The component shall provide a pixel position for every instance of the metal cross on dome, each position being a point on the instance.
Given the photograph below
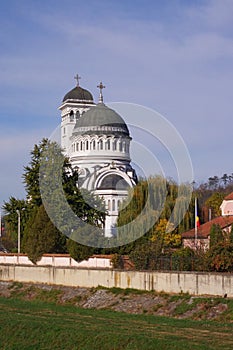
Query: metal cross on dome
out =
(77, 77)
(101, 87)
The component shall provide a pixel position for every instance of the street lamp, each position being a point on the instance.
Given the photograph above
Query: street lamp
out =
(19, 219)
(18, 212)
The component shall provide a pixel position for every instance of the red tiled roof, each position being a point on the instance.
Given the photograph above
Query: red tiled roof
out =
(229, 197)
(204, 230)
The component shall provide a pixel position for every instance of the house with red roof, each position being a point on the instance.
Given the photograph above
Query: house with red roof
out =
(201, 238)
(227, 205)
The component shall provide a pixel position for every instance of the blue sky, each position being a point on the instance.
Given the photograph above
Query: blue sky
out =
(175, 57)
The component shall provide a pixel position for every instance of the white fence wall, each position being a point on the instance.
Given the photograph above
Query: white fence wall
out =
(195, 283)
(57, 260)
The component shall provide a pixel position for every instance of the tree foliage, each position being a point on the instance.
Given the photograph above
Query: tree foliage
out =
(31, 173)
(214, 202)
(50, 175)
(220, 257)
(41, 236)
(216, 235)
(155, 209)
(78, 251)
(146, 256)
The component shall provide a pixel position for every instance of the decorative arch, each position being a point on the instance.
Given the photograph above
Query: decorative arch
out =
(113, 181)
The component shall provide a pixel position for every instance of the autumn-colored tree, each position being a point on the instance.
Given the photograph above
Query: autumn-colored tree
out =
(220, 257)
(167, 233)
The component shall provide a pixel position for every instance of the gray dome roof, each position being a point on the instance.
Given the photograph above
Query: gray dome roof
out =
(78, 93)
(101, 119)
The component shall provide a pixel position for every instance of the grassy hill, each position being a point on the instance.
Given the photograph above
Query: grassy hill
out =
(55, 317)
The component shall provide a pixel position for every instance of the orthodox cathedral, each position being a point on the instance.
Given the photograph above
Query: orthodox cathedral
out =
(97, 141)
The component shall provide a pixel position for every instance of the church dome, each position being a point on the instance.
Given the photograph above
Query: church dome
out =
(78, 93)
(101, 119)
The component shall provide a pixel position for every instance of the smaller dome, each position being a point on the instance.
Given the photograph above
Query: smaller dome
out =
(78, 93)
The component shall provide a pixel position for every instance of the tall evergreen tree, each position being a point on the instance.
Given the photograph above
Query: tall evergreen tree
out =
(216, 235)
(63, 201)
(31, 173)
(41, 236)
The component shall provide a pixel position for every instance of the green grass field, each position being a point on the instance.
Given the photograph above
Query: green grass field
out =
(41, 325)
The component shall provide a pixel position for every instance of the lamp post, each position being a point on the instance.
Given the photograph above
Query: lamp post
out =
(18, 212)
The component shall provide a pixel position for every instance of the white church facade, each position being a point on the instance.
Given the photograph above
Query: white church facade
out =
(97, 141)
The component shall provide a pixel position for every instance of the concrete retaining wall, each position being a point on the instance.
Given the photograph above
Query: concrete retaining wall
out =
(170, 282)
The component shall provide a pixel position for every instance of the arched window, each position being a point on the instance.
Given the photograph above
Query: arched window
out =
(109, 204)
(120, 146)
(81, 146)
(87, 145)
(101, 144)
(108, 144)
(114, 145)
(77, 146)
(77, 115)
(71, 116)
(113, 205)
(118, 204)
(93, 145)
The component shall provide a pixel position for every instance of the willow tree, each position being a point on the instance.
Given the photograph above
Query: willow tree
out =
(158, 210)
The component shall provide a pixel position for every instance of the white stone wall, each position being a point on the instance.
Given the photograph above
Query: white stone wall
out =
(57, 260)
